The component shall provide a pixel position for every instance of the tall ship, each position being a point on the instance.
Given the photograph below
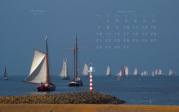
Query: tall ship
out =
(108, 72)
(64, 71)
(136, 72)
(39, 73)
(76, 81)
(85, 70)
(171, 72)
(5, 73)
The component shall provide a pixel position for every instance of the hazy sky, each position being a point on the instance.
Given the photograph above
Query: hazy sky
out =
(24, 24)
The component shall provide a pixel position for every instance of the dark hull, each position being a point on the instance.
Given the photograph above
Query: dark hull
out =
(75, 83)
(48, 88)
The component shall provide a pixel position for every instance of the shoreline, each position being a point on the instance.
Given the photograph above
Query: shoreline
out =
(86, 108)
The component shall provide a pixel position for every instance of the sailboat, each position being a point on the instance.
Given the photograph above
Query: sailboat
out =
(85, 70)
(160, 72)
(76, 81)
(156, 71)
(5, 73)
(108, 73)
(64, 71)
(39, 73)
(171, 72)
(136, 72)
(153, 73)
(127, 71)
(119, 74)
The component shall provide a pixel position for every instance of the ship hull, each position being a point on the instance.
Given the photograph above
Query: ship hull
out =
(46, 88)
(75, 83)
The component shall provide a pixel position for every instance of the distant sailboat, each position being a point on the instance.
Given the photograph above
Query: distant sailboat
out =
(156, 71)
(153, 73)
(145, 73)
(127, 71)
(5, 73)
(108, 73)
(142, 74)
(171, 72)
(39, 72)
(64, 71)
(76, 81)
(136, 72)
(160, 72)
(119, 74)
(85, 70)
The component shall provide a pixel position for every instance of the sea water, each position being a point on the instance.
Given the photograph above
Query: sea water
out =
(163, 90)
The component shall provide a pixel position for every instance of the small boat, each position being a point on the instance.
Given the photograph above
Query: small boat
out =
(171, 72)
(85, 70)
(5, 73)
(160, 72)
(153, 73)
(136, 72)
(156, 72)
(108, 73)
(127, 72)
(64, 71)
(76, 81)
(119, 74)
(39, 73)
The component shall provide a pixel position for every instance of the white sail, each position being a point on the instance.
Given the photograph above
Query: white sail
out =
(85, 70)
(156, 72)
(136, 72)
(171, 72)
(108, 71)
(153, 74)
(160, 72)
(64, 71)
(38, 72)
(145, 73)
(126, 71)
(142, 74)
(119, 74)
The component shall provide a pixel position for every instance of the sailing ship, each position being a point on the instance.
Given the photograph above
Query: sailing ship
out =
(76, 81)
(39, 73)
(160, 72)
(136, 72)
(119, 74)
(127, 72)
(108, 73)
(156, 71)
(171, 72)
(153, 73)
(85, 70)
(64, 71)
(5, 73)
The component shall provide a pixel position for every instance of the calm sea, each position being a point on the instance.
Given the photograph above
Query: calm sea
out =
(150, 91)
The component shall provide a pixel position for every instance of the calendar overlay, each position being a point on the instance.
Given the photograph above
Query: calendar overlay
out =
(125, 29)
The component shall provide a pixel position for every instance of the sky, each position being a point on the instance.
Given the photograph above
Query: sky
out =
(25, 23)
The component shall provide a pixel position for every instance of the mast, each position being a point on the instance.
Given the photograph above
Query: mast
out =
(76, 58)
(47, 65)
(5, 73)
(74, 61)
